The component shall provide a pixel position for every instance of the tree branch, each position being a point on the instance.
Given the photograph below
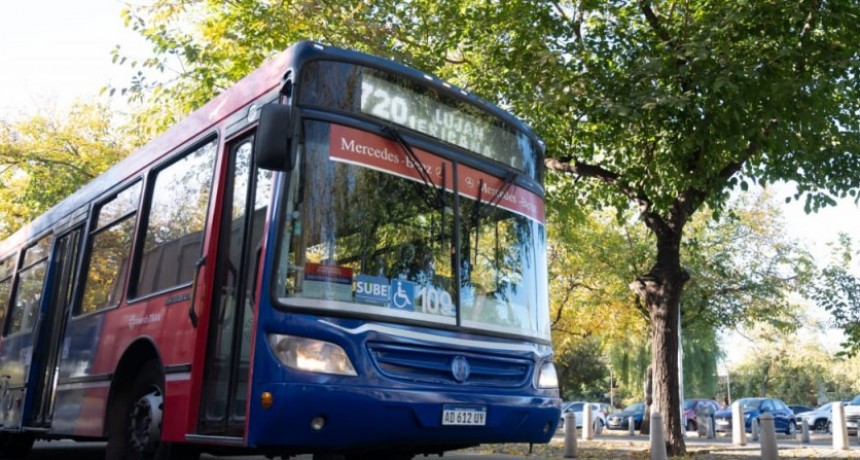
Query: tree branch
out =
(71, 166)
(575, 22)
(668, 40)
(653, 221)
(651, 17)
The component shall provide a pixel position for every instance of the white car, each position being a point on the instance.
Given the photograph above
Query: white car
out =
(818, 419)
(852, 415)
(597, 414)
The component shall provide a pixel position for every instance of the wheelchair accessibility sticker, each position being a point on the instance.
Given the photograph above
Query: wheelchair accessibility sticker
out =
(402, 295)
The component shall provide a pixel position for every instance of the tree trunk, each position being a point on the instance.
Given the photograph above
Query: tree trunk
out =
(765, 374)
(661, 291)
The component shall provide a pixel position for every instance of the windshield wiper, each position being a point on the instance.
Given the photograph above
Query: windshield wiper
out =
(493, 202)
(439, 201)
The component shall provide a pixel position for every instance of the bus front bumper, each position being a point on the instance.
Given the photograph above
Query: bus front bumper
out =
(313, 417)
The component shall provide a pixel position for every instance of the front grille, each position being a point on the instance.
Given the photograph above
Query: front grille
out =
(433, 365)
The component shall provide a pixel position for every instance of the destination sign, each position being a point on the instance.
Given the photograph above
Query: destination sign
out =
(420, 112)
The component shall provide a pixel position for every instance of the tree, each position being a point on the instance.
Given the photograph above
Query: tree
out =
(744, 270)
(795, 370)
(837, 289)
(667, 105)
(45, 158)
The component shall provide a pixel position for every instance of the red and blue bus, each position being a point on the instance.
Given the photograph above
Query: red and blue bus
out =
(338, 255)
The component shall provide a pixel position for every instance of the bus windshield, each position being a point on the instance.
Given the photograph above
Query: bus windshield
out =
(365, 235)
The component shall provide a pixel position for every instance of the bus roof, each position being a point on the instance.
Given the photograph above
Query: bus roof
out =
(263, 80)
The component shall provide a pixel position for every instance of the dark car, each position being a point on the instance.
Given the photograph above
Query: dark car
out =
(692, 407)
(753, 408)
(619, 420)
(800, 409)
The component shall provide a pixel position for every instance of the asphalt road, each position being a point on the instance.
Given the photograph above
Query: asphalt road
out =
(70, 450)
(617, 443)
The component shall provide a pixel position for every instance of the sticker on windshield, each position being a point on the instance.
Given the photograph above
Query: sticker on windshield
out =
(372, 289)
(402, 295)
(328, 282)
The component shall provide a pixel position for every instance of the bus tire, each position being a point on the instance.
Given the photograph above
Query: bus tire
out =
(137, 433)
(16, 445)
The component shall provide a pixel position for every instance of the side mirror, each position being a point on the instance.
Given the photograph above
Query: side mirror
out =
(274, 138)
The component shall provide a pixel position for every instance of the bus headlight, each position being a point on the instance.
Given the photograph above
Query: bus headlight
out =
(310, 355)
(547, 377)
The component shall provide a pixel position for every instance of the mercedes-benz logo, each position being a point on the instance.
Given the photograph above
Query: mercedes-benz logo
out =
(460, 369)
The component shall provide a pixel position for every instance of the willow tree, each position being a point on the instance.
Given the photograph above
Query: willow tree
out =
(668, 105)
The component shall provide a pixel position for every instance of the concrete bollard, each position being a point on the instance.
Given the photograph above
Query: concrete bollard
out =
(769, 451)
(804, 432)
(754, 429)
(711, 433)
(739, 432)
(569, 435)
(631, 426)
(840, 429)
(587, 420)
(658, 440)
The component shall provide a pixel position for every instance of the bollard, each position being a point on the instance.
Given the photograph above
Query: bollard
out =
(631, 426)
(658, 441)
(840, 430)
(769, 450)
(711, 433)
(754, 429)
(804, 431)
(587, 427)
(739, 432)
(569, 435)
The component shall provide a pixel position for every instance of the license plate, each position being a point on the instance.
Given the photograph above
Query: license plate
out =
(464, 415)
(722, 422)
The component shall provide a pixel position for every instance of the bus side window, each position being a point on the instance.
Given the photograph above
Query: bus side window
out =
(109, 251)
(175, 220)
(31, 278)
(7, 269)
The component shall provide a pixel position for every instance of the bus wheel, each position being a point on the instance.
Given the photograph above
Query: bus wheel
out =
(138, 436)
(15, 445)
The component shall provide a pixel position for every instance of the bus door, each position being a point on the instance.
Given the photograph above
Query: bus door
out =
(19, 353)
(64, 268)
(245, 200)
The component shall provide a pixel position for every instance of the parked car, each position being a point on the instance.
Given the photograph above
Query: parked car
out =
(605, 408)
(798, 409)
(752, 408)
(852, 415)
(578, 408)
(819, 419)
(619, 420)
(692, 407)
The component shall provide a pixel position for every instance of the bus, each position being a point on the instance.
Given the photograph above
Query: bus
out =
(338, 256)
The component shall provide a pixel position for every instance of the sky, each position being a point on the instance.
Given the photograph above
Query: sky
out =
(54, 52)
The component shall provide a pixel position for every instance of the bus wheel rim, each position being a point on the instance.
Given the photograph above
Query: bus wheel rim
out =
(145, 424)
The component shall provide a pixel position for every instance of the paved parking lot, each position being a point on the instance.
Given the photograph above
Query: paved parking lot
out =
(607, 445)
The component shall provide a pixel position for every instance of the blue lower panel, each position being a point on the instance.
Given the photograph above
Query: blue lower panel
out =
(373, 418)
